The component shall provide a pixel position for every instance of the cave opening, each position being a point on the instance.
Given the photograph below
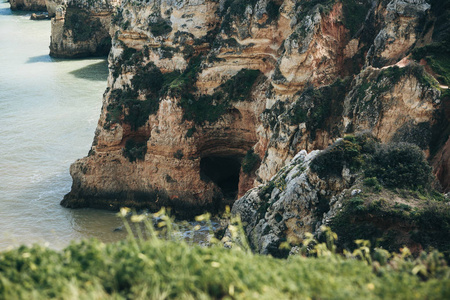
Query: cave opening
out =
(224, 172)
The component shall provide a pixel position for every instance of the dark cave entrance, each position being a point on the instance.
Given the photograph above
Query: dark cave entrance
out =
(224, 172)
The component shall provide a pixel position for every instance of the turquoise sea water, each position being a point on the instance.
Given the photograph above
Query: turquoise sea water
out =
(49, 110)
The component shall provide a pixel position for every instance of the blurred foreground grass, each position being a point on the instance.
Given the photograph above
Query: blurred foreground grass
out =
(161, 268)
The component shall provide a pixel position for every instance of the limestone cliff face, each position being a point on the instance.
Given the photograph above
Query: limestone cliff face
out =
(80, 28)
(207, 99)
(32, 5)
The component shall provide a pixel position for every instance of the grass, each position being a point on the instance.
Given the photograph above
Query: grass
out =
(157, 268)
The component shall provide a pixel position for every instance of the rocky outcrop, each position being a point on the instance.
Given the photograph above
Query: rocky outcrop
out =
(52, 6)
(31, 5)
(330, 188)
(80, 28)
(207, 99)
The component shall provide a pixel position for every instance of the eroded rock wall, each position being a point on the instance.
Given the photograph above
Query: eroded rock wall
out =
(198, 87)
(348, 186)
(80, 28)
(31, 5)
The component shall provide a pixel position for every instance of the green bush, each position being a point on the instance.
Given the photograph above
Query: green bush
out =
(124, 103)
(160, 27)
(148, 78)
(178, 154)
(135, 150)
(273, 11)
(382, 222)
(354, 14)
(400, 165)
(83, 27)
(344, 153)
(393, 165)
(373, 183)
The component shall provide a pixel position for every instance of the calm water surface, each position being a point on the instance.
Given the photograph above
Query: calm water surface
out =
(49, 110)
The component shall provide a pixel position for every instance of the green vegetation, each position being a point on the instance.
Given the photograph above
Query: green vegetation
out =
(393, 165)
(354, 14)
(236, 8)
(83, 27)
(135, 150)
(354, 11)
(316, 107)
(153, 84)
(169, 269)
(190, 132)
(388, 224)
(148, 78)
(373, 183)
(205, 108)
(273, 11)
(347, 152)
(125, 103)
(399, 165)
(437, 56)
(209, 108)
(178, 154)
(148, 81)
(239, 87)
(250, 161)
(160, 27)
(385, 81)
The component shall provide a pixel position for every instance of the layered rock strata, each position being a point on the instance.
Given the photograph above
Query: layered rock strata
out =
(80, 28)
(207, 99)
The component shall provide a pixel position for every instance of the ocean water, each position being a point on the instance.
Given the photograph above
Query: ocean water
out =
(48, 114)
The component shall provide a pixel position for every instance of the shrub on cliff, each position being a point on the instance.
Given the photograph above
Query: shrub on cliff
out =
(135, 150)
(82, 26)
(394, 165)
(388, 222)
(399, 165)
(348, 152)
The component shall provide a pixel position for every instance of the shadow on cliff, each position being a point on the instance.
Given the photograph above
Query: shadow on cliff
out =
(94, 72)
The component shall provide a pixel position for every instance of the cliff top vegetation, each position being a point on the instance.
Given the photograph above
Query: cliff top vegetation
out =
(168, 269)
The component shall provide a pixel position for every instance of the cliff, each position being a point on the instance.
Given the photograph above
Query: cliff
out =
(208, 99)
(80, 28)
(32, 5)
